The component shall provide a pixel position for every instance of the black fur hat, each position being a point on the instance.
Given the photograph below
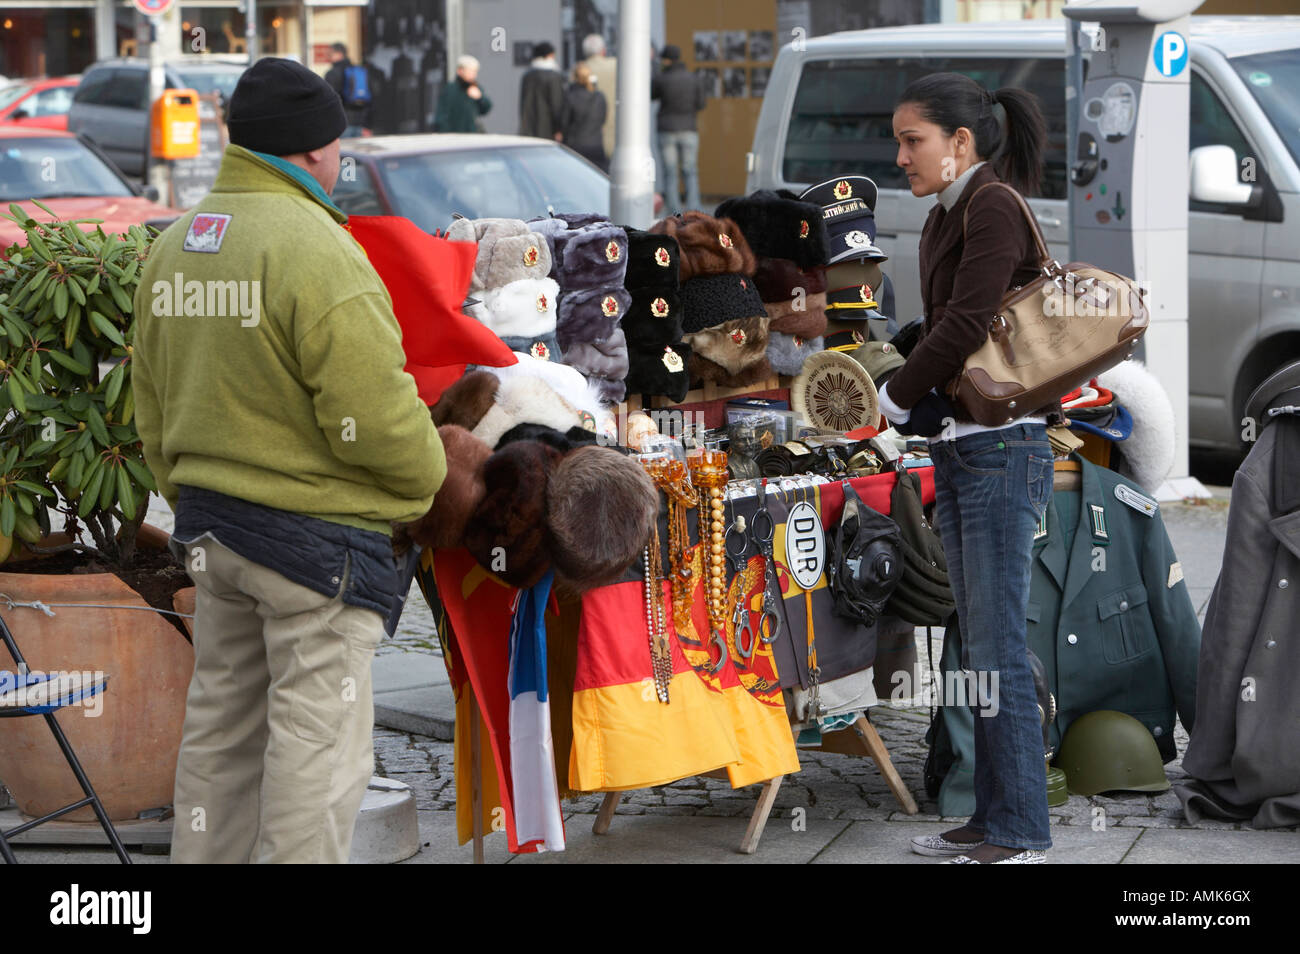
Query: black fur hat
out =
(712, 299)
(562, 441)
(653, 319)
(590, 314)
(665, 372)
(779, 228)
(652, 260)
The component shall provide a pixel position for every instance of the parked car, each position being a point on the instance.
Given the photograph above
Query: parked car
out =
(111, 105)
(829, 108)
(73, 179)
(38, 102)
(431, 178)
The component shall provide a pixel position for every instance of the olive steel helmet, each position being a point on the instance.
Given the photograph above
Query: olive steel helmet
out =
(1110, 751)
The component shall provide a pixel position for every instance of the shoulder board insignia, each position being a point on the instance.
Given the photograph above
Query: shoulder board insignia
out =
(1138, 501)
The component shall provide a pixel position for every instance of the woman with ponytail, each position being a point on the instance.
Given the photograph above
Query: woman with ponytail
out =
(992, 483)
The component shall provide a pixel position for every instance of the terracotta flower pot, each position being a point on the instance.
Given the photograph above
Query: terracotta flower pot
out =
(128, 750)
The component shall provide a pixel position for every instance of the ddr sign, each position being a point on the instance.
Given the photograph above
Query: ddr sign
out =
(805, 545)
(153, 8)
(1170, 53)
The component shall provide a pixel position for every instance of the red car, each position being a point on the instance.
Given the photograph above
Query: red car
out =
(70, 176)
(42, 103)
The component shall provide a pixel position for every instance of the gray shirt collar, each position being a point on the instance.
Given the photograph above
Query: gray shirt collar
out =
(952, 192)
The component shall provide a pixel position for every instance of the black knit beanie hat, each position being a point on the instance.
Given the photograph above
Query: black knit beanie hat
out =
(281, 108)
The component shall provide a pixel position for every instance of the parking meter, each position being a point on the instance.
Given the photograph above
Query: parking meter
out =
(1128, 170)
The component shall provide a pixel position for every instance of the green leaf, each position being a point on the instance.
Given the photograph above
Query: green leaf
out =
(38, 245)
(76, 471)
(97, 427)
(31, 488)
(121, 298)
(125, 494)
(141, 474)
(107, 328)
(10, 458)
(114, 381)
(16, 392)
(69, 362)
(90, 494)
(8, 513)
(25, 504)
(61, 299)
(37, 448)
(107, 489)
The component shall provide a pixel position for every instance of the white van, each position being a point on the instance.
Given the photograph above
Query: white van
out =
(828, 111)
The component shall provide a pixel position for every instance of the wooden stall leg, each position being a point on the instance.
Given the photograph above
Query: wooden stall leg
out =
(758, 820)
(606, 813)
(476, 777)
(876, 749)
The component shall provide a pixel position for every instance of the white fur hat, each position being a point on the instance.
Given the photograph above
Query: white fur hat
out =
(1148, 454)
(564, 380)
(525, 400)
(522, 309)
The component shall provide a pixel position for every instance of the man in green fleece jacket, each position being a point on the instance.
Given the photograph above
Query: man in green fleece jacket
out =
(281, 428)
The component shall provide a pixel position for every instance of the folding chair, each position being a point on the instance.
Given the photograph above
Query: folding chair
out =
(22, 694)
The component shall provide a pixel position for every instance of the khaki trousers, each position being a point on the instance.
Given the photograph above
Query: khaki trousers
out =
(276, 752)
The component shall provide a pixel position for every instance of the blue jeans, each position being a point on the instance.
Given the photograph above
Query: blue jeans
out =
(681, 151)
(991, 488)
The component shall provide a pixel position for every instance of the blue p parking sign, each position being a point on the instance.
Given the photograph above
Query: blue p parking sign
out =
(1170, 53)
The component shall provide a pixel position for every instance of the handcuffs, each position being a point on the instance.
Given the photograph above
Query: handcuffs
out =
(761, 531)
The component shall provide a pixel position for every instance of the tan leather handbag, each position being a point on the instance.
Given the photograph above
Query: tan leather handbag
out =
(1049, 337)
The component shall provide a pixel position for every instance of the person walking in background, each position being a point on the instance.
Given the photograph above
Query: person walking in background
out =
(582, 117)
(604, 70)
(681, 97)
(353, 83)
(462, 101)
(541, 95)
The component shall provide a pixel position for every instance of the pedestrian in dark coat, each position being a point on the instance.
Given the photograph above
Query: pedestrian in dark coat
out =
(541, 95)
(1244, 753)
(582, 118)
(462, 101)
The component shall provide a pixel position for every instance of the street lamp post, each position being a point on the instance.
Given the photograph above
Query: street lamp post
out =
(632, 169)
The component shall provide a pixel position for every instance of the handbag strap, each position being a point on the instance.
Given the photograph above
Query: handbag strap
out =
(1044, 256)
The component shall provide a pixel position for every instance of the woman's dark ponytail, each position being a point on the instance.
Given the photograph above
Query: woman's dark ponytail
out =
(952, 100)
(1021, 160)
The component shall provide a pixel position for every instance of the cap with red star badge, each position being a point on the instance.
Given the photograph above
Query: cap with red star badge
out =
(848, 210)
(780, 227)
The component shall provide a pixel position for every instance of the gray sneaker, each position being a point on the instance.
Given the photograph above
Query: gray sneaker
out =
(936, 845)
(1029, 856)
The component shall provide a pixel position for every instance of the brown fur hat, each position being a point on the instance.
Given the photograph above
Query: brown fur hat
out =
(443, 527)
(808, 323)
(702, 369)
(466, 401)
(734, 345)
(708, 246)
(777, 279)
(512, 513)
(600, 508)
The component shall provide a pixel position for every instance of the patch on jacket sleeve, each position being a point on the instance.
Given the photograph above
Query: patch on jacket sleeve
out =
(1175, 574)
(206, 233)
(1140, 502)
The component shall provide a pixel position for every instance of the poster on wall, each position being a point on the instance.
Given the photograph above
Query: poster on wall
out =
(711, 81)
(758, 78)
(734, 82)
(406, 51)
(733, 45)
(762, 44)
(706, 46)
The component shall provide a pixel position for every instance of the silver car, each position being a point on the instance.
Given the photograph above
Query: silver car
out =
(829, 109)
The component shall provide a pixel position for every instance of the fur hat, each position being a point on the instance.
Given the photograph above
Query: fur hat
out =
(654, 318)
(443, 527)
(591, 257)
(580, 220)
(466, 401)
(525, 308)
(778, 279)
(562, 441)
(525, 400)
(602, 359)
(665, 372)
(512, 513)
(808, 323)
(652, 260)
(702, 369)
(607, 390)
(708, 246)
(600, 509)
(787, 353)
(507, 251)
(779, 227)
(590, 314)
(735, 345)
(564, 380)
(542, 347)
(712, 299)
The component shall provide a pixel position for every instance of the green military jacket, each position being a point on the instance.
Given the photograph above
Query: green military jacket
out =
(1110, 617)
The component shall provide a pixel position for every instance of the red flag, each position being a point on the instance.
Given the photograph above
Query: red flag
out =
(427, 278)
